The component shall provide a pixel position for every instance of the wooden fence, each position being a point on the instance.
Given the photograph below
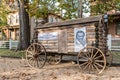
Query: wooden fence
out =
(11, 44)
(4, 44)
(113, 43)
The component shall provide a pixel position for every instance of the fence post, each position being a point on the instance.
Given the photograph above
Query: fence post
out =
(109, 42)
(10, 43)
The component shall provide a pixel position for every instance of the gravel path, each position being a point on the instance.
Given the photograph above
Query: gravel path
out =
(17, 69)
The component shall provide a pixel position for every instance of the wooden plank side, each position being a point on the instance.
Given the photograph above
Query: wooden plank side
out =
(71, 38)
(90, 35)
(65, 42)
(50, 45)
(62, 41)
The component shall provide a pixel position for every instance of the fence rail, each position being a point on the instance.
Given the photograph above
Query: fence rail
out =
(113, 43)
(4, 44)
(11, 44)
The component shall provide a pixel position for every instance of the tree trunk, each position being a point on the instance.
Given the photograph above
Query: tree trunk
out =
(24, 40)
(80, 8)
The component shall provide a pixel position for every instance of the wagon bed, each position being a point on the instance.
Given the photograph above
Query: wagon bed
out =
(64, 42)
(53, 40)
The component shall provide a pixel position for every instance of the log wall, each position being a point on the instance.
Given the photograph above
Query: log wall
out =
(65, 41)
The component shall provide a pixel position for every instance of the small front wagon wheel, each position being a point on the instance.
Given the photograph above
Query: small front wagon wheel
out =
(36, 55)
(91, 60)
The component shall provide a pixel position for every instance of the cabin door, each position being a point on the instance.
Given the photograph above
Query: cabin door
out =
(62, 41)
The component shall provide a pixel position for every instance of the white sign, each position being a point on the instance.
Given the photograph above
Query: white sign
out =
(48, 36)
(79, 38)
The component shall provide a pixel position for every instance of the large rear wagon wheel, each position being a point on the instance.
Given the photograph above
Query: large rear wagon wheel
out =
(36, 55)
(91, 60)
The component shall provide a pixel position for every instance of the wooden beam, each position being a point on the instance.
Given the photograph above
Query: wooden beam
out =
(70, 22)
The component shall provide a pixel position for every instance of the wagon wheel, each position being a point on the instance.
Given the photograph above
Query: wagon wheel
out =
(54, 59)
(36, 55)
(91, 60)
(109, 58)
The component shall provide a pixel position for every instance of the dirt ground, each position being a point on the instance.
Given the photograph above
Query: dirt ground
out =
(17, 69)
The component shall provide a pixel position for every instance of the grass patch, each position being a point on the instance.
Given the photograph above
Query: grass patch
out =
(116, 56)
(12, 53)
(21, 54)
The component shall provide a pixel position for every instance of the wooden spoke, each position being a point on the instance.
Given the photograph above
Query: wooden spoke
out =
(34, 64)
(40, 61)
(88, 55)
(96, 67)
(34, 48)
(33, 56)
(99, 65)
(100, 61)
(29, 52)
(83, 64)
(92, 53)
(94, 60)
(84, 57)
(89, 68)
(98, 57)
(92, 68)
(31, 60)
(30, 49)
(82, 60)
(37, 63)
(95, 54)
(86, 67)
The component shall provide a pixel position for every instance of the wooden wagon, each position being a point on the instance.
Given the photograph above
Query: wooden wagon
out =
(85, 38)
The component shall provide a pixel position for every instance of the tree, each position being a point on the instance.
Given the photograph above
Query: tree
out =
(9, 6)
(3, 13)
(103, 6)
(24, 41)
(80, 8)
(67, 9)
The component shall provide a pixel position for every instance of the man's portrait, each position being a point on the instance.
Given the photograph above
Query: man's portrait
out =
(79, 38)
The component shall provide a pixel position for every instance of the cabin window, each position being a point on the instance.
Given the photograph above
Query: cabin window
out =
(118, 28)
(50, 19)
(53, 19)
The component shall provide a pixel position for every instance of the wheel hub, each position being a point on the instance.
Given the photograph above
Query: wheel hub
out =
(35, 55)
(90, 61)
